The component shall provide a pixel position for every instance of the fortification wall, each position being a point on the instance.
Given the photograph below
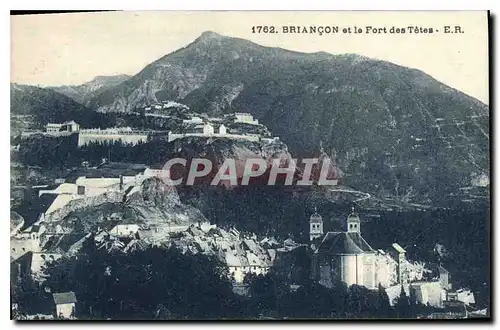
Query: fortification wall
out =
(27, 134)
(20, 246)
(173, 136)
(86, 138)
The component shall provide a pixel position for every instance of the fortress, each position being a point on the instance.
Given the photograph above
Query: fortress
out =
(209, 131)
(194, 126)
(52, 129)
(124, 134)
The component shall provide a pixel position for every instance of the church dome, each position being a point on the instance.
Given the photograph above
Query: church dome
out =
(353, 217)
(315, 217)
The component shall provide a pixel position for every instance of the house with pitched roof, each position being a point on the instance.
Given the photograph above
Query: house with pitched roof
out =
(65, 304)
(238, 265)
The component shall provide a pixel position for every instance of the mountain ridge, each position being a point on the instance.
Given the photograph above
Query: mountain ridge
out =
(211, 40)
(397, 132)
(82, 93)
(31, 107)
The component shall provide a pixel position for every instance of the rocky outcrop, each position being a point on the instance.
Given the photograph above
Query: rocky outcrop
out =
(151, 203)
(84, 203)
(153, 192)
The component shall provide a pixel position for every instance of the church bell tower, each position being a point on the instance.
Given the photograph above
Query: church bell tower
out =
(353, 222)
(315, 225)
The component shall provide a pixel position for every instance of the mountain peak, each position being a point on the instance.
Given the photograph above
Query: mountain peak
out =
(210, 35)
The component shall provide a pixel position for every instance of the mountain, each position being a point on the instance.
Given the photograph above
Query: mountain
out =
(395, 132)
(84, 92)
(32, 107)
(33, 100)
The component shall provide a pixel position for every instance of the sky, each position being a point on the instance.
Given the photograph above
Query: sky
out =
(70, 49)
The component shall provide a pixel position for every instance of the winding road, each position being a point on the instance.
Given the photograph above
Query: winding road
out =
(365, 195)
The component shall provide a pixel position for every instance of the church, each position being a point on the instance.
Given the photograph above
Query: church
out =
(345, 256)
(342, 256)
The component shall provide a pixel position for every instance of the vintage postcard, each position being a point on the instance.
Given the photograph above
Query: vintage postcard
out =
(231, 165)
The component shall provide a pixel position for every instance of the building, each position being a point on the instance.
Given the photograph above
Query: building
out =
(243, 117)
(23, 244)
(465, 296)
(71, 126)
(428, 293)
(66, 127)
(237, 264)
(192, 120)
(315, 226)
(346, 257)
(158, 171)
(444, 278)
(386, 269)
(208, 129)
(19, 247)
(65, 304)
(399, 255)
(124, 229)
(257, 265)
(106, 177)
(91, 182)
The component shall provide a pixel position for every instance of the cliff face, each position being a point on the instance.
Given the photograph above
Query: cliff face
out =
(83, 203)
(221, 149)
(150, 203)
(396, 131)
(155, 193)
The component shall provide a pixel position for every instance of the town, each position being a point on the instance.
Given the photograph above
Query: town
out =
(336, 256)
(47, 233)
(165, 167)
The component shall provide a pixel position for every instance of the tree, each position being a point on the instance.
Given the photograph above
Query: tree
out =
(402, 305)
(29, 298)
(384, 309)
(149, 284)
(264, 291)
